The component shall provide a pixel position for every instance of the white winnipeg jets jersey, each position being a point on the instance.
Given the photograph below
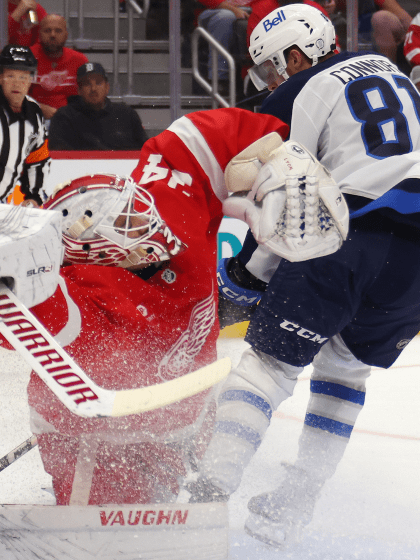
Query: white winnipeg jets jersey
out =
(356, 113)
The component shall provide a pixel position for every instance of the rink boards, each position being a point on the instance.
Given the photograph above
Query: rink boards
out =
(146, 531)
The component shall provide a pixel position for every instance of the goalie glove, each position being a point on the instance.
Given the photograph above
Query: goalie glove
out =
(31, 252)
(294, 207)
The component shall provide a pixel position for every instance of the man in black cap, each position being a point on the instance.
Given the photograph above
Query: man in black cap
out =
(24, 155)
(90, 121)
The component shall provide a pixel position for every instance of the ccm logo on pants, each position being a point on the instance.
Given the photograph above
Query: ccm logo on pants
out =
(304, 333)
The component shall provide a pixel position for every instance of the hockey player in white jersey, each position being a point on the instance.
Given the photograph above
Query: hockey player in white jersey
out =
(343, 312)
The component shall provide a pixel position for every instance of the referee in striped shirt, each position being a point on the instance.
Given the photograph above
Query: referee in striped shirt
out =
(24, 156)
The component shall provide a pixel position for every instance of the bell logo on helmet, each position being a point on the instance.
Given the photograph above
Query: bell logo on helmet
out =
(268, 24)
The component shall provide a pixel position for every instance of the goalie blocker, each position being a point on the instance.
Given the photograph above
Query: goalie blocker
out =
(31, 252)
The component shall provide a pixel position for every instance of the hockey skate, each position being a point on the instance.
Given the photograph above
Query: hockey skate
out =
(278, 517)
(204, 491)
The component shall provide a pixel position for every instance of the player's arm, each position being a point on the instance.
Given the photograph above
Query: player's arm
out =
(239, 291)
(184, 165)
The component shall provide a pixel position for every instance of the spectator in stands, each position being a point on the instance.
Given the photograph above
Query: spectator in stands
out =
(57, 66)
(24, 17)
(389, 27)
(90, 121)
(219, 19)
(412, 49)
(384, 23)
(412, 42)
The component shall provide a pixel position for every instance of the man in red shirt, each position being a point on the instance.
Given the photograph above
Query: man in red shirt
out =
(57, 66)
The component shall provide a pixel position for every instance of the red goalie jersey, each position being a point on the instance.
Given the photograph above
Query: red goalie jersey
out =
(127, 331)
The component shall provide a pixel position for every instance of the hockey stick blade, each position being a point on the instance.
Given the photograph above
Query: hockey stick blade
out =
(17, 452)
(73, 387)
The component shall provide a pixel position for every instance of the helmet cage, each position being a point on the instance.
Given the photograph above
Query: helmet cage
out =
(106, 218)
(296, 24)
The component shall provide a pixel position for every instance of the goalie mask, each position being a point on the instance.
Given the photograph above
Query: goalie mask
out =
(110, 220)
(296, 24)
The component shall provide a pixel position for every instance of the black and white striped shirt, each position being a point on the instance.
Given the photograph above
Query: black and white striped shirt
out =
(24, 154)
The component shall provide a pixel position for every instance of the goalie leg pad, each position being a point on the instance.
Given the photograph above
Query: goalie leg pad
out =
(175, 531)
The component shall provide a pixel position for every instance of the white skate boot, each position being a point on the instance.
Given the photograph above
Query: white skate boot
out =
(278, 517)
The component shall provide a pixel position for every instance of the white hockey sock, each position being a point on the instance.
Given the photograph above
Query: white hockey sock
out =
(338, 385)
(252, 391)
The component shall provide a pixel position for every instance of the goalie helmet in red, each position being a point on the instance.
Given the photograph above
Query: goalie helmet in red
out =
(111, 220)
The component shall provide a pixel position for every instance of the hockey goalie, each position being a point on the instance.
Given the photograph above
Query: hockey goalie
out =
(136, 305)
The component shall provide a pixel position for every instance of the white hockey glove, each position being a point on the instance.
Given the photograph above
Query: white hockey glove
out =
(31, 252)
(294, 206)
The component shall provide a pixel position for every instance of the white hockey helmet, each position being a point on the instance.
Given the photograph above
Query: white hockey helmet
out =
(296, 24)
(112, 221)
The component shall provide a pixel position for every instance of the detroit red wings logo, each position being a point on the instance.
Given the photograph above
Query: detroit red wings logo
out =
(178, 361)
(56, 78)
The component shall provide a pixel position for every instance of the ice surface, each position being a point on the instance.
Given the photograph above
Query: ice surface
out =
(369, 510)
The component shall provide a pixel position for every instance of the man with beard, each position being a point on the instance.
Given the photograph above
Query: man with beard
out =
(57, 66)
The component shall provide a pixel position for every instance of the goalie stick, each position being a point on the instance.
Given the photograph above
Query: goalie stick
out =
(17, 452)
(74, 387)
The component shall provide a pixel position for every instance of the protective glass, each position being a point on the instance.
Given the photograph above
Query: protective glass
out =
(265, 75)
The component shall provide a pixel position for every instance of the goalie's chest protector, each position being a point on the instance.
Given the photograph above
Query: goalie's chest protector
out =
(132, 332)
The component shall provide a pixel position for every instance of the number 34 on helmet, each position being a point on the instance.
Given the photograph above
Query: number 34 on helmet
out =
(110, 220)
